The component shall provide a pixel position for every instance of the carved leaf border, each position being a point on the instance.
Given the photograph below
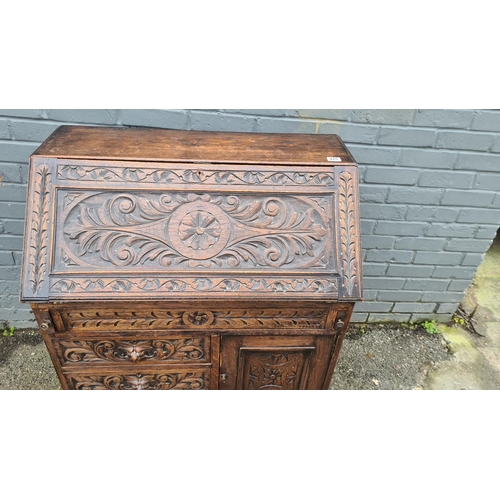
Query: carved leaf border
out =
(38, 248)
(234, 318)
(348, 235)
(115, 319)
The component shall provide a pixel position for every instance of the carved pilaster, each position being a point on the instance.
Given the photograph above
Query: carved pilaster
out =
(36, 267)
(350, 283)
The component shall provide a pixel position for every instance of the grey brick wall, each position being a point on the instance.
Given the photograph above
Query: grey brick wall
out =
(430, 192)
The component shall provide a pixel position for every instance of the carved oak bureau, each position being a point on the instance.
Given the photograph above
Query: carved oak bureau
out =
(162, 259)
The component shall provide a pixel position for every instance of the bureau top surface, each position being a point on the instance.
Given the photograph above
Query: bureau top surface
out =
(149, 144)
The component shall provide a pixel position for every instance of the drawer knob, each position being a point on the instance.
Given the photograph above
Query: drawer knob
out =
(45, 325)
(340, 324)
(223, 377)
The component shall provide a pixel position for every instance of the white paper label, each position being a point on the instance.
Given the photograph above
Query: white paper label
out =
(333, 158)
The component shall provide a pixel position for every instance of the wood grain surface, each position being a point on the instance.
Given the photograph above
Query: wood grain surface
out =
(134, 143)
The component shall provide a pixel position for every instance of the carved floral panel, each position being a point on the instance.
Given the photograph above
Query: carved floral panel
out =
(179, 231)
(273, 370)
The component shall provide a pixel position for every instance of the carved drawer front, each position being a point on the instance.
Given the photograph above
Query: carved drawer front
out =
(275, 363)
(198, 318)
(192, 378)
(136, 351)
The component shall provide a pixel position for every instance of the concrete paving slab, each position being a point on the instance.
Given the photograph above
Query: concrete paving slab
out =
(476, 361)
(469, 369)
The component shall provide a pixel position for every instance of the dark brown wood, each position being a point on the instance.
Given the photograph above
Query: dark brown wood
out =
(159, 259)
(45, 321)
(270, 363)
(181, 378)
(134, 232)
(148, 144)
(342, 319)
(216, 359)
(91, 318)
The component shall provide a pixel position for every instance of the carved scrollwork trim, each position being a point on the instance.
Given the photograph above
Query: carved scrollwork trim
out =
(101, 287)
(191, 176)
(136, 351)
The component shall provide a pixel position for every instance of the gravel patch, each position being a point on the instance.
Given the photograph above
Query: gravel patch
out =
(387, 356)
(25, 363)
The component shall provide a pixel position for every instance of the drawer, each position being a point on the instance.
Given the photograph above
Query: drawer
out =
(192, 378)
(166, 349)
(208, 317)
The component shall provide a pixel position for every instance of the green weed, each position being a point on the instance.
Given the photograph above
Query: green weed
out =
(429, 327)
(8, 332)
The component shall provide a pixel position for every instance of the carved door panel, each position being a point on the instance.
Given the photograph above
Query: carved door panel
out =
(274, 363)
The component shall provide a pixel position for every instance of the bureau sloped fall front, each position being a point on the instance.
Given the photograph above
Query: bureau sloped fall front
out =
(162, 259)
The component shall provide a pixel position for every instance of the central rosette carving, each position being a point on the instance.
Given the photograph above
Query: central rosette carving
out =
(198, 318)
(199, 230)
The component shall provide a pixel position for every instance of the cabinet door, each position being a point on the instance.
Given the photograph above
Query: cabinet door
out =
(275, 362)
